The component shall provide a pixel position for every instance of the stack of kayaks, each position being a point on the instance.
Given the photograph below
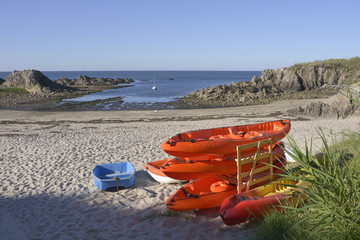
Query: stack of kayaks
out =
(195, 169)
(209, 192)
(208, 158)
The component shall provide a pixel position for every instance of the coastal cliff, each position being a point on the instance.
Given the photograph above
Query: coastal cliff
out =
(301, 81)
(310, 76)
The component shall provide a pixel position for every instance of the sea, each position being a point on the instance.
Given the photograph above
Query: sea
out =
(170, 85)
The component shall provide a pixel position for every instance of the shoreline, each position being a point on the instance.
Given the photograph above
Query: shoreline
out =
(278, 108)
(47, 157)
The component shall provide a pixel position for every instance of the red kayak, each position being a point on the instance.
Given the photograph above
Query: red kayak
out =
(177, 168)
(256, 202)
(222, 141)
(209, 192)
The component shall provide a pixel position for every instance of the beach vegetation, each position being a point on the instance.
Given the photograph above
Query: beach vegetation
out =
(13, 90)
(348, 63)
(348, 66)
(332, 206)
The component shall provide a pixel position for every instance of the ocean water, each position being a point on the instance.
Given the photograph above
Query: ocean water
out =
(170, 84)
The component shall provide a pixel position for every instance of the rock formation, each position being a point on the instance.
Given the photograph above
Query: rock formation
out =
(83, 81)
(33, 81)
(294, 79)
(312, 80)
(340, 106)
(1, 81)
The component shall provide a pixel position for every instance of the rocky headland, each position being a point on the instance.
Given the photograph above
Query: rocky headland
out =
(302, 81)
(30, 88)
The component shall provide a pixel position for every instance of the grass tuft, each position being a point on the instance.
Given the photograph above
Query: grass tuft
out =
(332, 206)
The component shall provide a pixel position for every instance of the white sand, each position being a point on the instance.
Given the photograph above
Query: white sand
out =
(47, 157)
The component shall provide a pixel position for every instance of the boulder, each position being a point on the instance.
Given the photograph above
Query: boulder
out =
(315, 110)
(1, 81)
(285, 79)
(334, 78)
(309, 77)
(340, 106)
(291, 82)
(255, 81)
(33, 81)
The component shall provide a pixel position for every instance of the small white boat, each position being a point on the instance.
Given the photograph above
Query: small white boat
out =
(154, 87)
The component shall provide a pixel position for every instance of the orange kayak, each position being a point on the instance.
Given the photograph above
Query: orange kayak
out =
(256, 202)
(209, 192)
(153, 168)
(223, 141)
(177, 168)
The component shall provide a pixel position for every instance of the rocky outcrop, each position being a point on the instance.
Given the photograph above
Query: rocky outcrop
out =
(258, 91)
(83, 81)
(33, 81)
(1, 81)
(46, 93)
(37, 83)
(340, 106)
(312, 80)
(302, 77)
(295, 79)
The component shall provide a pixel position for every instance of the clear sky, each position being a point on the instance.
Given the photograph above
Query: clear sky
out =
(175, 35)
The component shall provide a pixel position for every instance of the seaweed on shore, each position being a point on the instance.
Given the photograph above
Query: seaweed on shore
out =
(100, 104)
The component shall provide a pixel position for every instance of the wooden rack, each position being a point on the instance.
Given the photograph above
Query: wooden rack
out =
(253, 159)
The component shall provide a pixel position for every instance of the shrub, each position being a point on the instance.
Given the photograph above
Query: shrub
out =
(332, 206)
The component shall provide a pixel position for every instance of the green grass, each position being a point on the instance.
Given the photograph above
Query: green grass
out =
(332, 206)
(351, 63)
(277, 225)
(349, 67)
(13, 91)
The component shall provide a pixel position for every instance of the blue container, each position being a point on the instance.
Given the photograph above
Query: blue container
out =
(106, 175)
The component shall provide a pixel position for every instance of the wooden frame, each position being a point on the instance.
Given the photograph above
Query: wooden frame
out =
(254, 160)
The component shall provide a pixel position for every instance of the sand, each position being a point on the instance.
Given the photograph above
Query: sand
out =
(46, 159)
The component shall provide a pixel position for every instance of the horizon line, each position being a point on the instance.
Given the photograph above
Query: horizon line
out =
(135, 70)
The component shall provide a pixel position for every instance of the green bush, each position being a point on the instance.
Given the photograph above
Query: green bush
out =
(332, 206)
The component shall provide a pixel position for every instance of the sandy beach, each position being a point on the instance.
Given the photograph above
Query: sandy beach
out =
(46, 160)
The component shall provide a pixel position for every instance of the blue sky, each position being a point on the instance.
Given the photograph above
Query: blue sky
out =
(175, 35)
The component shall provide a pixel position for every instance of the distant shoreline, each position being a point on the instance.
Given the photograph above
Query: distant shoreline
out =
(54, 75)
(171, 85)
